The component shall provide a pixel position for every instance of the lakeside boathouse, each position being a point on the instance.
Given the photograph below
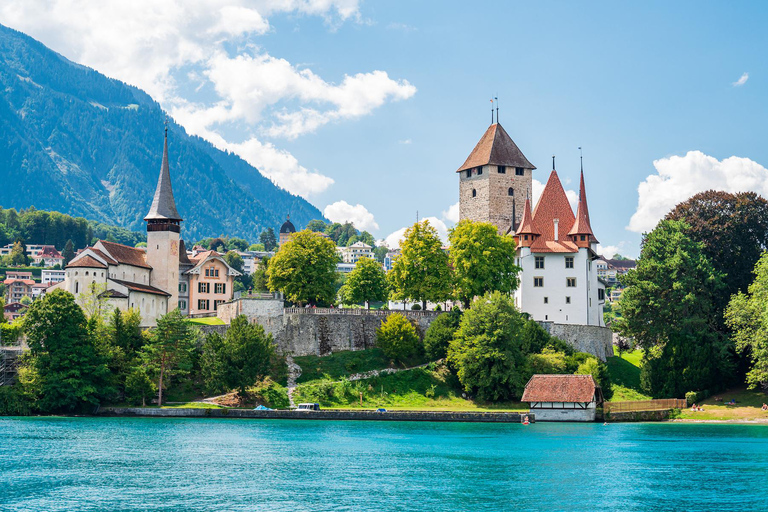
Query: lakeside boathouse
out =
(563, 397)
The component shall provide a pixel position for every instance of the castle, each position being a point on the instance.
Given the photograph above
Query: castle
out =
(156, 280)
(554, 247)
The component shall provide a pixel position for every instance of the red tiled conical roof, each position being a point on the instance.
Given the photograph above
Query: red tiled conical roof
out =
(526, 225)
(582, 225)
(496, 147)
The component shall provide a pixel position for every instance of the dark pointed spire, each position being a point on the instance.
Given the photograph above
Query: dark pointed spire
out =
(163, 205)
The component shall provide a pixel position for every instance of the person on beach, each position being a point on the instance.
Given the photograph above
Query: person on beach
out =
(765, 407)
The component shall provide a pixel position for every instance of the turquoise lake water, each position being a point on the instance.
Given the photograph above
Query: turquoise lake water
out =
(74, 464)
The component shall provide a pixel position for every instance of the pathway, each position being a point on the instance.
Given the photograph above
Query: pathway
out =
(294, 372)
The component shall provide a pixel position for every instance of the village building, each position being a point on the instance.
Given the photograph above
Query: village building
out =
(208, 282)
(286, 230)
(563, 397)
(13, 311)
(49, 275)
(17, 286)
(154, 280)
(554, 248)
(354, 252)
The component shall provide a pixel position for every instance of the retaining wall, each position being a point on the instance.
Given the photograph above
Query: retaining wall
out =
(638, 416)
(592, 339)
(477, 417)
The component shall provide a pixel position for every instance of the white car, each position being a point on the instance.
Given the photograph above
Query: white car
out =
(308, 407)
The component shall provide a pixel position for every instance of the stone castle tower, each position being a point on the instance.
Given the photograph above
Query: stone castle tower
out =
(495, 181)
(163, 234)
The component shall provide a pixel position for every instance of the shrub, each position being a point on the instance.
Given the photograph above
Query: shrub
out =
(416, 307)
(139, 387)
(549, 361)
(440, 334)
(397, 338)
(599, 371)
(693, 397)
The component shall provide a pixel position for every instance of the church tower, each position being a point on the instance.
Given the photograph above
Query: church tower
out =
(163, 234)
(494, 181)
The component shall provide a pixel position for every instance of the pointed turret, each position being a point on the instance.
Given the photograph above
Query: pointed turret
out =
(525, 233)
(582, 230)
(163, 205)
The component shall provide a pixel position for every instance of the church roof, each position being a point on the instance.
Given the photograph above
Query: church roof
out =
(553, 204)
(582, 225)
(287, 226)
(125, 254)
(163, 205)
(143, 288)
(496, 147)
(183, 256)
(86, 262)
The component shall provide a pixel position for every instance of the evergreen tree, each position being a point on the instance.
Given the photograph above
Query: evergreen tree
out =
(268, 239)
(421, 272)
(18, 256)
(69, 252)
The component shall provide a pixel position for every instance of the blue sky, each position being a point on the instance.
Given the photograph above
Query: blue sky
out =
(387, 99)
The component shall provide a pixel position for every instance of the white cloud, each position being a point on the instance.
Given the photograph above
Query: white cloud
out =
(741, 81)
(150, 44)
(452, 213)
(393, 239)
(342, 211)
(405, 141)
(680, 177)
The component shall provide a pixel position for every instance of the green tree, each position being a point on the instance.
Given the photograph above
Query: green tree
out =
(440, 333)
(482, 260)
(317, 225)
(397, 338)
(212, 364)
(421, 272)
(18, 256)
(380, 252)
(125, 330)
(234, 260)
(139, 387)
(94, 302)
(257, 247)
(599, 371)
(260, 276)
(26, 300)
(71, 374)
(141, 245)
(69, 252)
(367, 238)
(746, 316)
(168, 350)
(246, 353)
(366, 283)
(487, 349)
(669, 308)
(237, 244)
(304, 269)
(268, 239)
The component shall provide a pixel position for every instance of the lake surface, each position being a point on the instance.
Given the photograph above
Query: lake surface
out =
(74, 464)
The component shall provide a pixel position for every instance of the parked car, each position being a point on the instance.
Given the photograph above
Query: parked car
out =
(308, 407)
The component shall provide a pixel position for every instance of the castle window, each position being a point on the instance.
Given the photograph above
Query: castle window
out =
(474, 193)
(519, 171)
(525, 237)
(510, 191)
(600, 294)
(538, 282)
(86, 272)
(546, 300)
(569, 262)
(567, 300)
(503, 169)
(583, 237)
(539, 261)
(77, 287)
(479, 170)
(570, 282)
(469, 173)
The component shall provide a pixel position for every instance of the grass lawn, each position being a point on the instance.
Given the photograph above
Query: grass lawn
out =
(193, 405)
(211, 320)
(625, 377)
(340, 364)
(747, 408)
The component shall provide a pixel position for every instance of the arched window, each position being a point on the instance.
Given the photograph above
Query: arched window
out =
(511, 191)
(77, 287)
(474, 193)
(86, 272)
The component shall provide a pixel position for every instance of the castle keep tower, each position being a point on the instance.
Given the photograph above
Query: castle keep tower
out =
(163, 233)
(495, 181)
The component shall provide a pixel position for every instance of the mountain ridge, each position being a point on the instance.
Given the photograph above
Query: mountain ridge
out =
(75, 141)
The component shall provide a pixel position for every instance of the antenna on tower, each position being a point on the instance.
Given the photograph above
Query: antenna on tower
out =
(491, 111)
(497, 107)
(553, 162)
(581, 159)
(166, 124)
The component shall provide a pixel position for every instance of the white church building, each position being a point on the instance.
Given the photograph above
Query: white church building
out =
(555, 248)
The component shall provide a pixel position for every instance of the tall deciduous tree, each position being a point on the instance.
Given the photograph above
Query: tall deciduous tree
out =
(746, 316)
(669, 308)
(487, 349)
(421, 272)
(71, 374)
(304, 269)
(482, 260)
(317, 225)
(168, 349)
(366, 283)
(397, 338)
(268, 239)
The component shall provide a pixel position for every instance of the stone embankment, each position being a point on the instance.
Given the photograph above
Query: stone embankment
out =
(472, 417)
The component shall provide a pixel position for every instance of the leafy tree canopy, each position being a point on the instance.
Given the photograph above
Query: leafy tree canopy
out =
(482, 260)
(304, 269)
(397, 338)
(440, 333)
(366, 283)
(421, 272)
(268, 239)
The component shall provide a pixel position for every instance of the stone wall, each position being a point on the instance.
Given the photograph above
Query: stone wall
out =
(638, 416)
(302, 332)
(591, 339)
